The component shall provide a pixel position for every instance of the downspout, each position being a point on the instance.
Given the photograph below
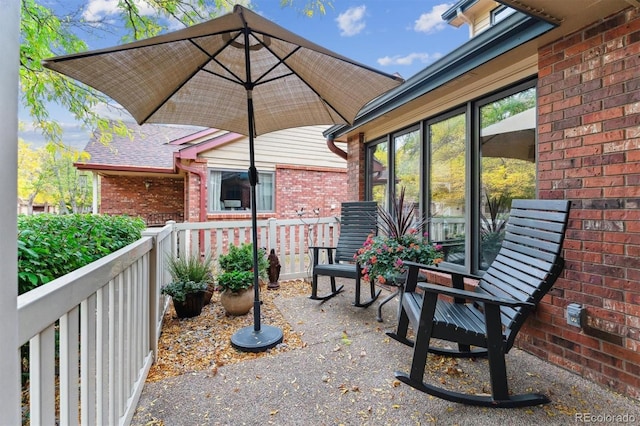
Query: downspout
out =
(466, 19)
(331, 143)
(203, 192)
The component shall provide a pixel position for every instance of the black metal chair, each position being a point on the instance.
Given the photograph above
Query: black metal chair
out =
(489, 318)
(358, 221)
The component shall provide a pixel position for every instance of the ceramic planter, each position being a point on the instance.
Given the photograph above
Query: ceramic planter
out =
(238, 303)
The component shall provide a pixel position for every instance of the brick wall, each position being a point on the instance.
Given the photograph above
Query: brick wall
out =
(589, 152)
(311, 188)
(129, 195)
(356, 155)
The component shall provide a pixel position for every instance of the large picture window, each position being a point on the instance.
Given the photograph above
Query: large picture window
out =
(463, 169)
(229, 190)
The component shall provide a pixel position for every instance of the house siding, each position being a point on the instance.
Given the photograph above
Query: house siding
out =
(589, 152)
(297, 146)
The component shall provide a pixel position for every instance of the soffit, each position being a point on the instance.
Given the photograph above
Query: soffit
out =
(570, 15)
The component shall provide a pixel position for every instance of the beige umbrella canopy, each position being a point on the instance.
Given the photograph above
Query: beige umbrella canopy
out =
(239, 72)
(513, 137)
(199, 76)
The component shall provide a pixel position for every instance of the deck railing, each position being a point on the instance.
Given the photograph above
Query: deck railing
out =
(93, 333)
(289, 238)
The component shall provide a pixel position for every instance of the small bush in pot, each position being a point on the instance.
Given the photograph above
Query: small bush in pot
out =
(237, 277)
(190, 277)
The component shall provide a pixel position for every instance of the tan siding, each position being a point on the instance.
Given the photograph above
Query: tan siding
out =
(303, 146)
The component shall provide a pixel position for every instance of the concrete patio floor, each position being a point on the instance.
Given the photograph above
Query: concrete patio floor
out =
(344, 376)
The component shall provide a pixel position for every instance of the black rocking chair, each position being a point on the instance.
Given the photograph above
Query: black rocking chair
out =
(358, 221)
(489, 318)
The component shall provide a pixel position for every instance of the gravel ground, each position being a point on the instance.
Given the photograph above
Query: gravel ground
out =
(342, 374)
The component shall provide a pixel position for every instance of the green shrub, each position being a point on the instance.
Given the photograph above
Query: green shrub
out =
(235, 281)
(50, 246)
(241, 259)
(237, 267)
(189, 274)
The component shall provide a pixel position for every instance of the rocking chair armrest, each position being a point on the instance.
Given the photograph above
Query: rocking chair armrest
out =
(457, 278)
(472, 295)
(443, 270)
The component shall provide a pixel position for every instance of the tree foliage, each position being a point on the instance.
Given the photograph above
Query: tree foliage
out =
(48, 29)
(47, 176)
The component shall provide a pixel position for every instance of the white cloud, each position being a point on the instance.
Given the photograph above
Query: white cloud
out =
(97, 10)
(351, 22)
(408, 59)
(432, 21)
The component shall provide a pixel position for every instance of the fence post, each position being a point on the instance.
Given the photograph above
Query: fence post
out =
(273, 234)
(9, 351)
(154, 275)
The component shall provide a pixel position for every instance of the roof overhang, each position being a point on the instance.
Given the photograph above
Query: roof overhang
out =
(515, 39)
(120, 170)
(507, 35)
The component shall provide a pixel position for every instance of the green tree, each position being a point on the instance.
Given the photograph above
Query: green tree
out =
(45, 34)
(33, 185)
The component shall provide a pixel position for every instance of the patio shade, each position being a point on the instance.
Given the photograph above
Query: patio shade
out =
(199, 76)
(241, 73)
(513, 137)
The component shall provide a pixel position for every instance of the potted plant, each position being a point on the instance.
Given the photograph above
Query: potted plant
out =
(382, 256)
(236, 278)
(190, 277)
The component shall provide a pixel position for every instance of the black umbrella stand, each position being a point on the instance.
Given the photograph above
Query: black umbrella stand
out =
(258, 338)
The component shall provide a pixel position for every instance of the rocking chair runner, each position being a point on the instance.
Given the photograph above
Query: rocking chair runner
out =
(490, 317)
(358, 221)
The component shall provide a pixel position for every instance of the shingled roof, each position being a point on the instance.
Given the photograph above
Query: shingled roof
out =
(148, 150)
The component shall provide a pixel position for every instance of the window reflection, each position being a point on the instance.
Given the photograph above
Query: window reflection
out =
(378, 167)
(507, 149)
(447, 186)
(407, 168)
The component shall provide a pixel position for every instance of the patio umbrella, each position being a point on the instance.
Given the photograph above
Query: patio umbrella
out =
(513, 137)
(238, 72)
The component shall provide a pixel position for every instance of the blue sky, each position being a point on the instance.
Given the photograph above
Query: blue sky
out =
(394, 36)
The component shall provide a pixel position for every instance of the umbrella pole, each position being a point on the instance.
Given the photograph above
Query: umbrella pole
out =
(257, 338)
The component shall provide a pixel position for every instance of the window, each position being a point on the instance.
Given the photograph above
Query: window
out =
(377, 166)
(463, 167)
(507, 164)
(406, 166)
(230, 190)
(447, 184)
(499, 13)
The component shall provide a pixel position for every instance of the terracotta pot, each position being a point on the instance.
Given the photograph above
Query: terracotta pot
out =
(191, 307)
(238, 303)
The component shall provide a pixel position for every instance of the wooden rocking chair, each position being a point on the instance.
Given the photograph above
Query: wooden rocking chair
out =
(358, 220)
(490, 317)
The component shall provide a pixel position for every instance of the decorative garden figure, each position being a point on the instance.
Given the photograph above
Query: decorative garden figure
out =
(274, 271)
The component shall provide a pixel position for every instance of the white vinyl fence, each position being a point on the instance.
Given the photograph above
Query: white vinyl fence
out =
(93, 333)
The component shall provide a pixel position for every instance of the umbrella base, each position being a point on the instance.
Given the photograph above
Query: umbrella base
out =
(247, 339)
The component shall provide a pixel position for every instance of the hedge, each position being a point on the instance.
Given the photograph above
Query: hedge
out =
(50, 246)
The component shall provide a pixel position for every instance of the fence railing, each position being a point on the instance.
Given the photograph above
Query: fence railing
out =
(93, 333)
(289, 238)
(91, 336)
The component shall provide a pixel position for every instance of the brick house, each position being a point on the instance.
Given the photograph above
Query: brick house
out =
(575, 65)
(180, 173)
